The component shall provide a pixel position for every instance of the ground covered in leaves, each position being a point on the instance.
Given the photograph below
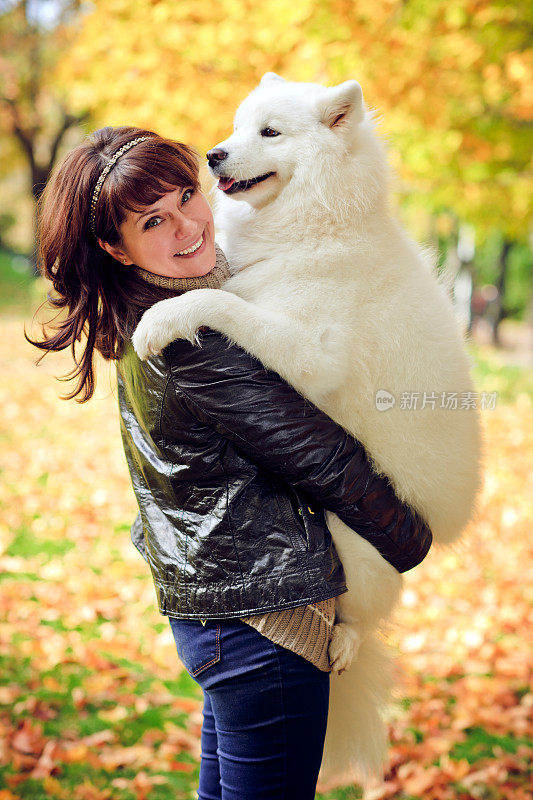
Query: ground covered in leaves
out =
(94, 704)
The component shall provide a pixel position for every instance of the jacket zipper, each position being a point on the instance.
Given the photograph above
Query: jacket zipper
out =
(301, 514)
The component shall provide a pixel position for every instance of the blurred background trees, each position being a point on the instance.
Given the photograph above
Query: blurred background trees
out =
(35, 108)
(451, 81)
(91, 706)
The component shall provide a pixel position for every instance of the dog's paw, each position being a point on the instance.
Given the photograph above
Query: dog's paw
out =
(152, 333)
(343, 647)
(174, 318)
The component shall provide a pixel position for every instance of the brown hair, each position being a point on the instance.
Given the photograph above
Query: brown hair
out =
(102, 298)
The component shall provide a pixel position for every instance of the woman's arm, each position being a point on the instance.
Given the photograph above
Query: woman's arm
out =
(224, 386)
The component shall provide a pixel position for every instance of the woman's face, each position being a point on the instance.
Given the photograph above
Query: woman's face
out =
(175, 236)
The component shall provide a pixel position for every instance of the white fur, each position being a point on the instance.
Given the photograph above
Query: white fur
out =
(328, 290)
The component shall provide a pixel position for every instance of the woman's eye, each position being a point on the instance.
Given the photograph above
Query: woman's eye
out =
(186, 196)
(153, 222)
(269, 132)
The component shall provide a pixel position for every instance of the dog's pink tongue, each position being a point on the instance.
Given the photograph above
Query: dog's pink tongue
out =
(225, 183)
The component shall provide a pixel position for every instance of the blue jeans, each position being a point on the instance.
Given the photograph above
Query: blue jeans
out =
(265, 712)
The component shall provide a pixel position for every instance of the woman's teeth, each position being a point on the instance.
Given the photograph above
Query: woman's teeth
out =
(192, 249)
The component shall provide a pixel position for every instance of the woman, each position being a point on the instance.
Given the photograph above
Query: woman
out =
(232, 469)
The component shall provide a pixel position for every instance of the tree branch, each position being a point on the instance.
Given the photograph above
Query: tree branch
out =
(69, 120)
(25, 138)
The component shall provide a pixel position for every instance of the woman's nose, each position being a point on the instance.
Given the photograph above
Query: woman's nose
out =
(184, 226)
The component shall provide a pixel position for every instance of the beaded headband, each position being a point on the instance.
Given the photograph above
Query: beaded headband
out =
(105, 172)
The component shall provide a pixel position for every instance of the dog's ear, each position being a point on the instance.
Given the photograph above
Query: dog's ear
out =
(341, 105)
(271, 77)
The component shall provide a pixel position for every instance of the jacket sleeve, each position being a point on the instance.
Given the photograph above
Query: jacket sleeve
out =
(266, 419)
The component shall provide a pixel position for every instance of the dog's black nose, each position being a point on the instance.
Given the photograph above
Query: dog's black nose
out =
(216, 155)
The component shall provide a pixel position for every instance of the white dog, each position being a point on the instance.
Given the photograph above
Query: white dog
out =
(329, 291)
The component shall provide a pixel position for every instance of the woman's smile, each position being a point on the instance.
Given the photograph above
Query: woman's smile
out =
(194, 249)
(174, 236)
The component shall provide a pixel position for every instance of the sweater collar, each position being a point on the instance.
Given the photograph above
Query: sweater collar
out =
(213, 280)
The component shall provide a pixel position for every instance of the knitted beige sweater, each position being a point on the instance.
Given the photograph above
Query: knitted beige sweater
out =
(305, 630)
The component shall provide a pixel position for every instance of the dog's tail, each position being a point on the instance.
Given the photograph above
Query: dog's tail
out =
(355, 749)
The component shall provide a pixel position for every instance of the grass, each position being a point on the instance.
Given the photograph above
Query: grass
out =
(480, 744)
(19, 290)
(492, 374)
(83, 649)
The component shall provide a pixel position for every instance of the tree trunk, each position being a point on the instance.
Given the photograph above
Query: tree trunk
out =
(39, 176)
(500, 313)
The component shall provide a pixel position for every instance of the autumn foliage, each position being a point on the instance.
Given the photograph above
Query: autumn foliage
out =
(452, 81)
(94, 704)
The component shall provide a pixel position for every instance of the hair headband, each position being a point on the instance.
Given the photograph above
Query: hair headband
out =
(105, 172)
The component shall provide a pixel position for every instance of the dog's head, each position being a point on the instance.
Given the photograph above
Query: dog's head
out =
(284, 130)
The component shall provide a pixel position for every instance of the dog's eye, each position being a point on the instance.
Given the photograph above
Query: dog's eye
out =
(269, 132)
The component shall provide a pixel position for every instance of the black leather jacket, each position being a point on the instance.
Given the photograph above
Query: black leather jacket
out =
(232, 470)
